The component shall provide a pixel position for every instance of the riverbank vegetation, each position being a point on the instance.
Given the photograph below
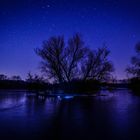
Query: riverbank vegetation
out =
(134, 71)
(72, 66)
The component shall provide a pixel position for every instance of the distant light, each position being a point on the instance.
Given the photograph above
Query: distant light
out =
(68, 97)
(64, 97)
(58, 97)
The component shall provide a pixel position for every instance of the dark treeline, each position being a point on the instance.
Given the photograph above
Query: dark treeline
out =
(73, 67)
(134, 70)
(32, 82)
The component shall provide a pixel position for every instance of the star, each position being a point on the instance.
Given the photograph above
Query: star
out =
(48, 6)
(45, 6)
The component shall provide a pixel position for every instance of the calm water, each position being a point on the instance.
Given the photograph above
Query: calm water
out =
(115, 116)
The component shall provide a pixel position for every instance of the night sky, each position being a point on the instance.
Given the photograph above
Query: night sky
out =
(24, 24)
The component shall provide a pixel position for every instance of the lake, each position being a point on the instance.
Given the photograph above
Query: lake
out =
(112, 116)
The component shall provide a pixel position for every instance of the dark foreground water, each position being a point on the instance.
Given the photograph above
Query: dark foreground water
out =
(112, 117)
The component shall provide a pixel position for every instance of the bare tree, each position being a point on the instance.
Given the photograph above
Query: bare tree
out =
(52, 53)
(60, 62)
(97, 66)
(134, 69)
(74, 61)
(75, 52)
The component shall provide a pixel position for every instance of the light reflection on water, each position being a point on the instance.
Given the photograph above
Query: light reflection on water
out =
(112, 115)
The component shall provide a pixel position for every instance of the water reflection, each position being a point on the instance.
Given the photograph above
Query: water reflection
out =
(110, 116)
(9, 100)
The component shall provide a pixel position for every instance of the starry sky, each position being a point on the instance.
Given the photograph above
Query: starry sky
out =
(24, 24)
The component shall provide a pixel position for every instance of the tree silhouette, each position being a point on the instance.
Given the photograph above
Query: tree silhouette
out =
(52, 53)
(16, 78)
(74, 61)
(29, 77)
(34, 78)
(97, 66)
(3, 77)
(134, 69)
(60, 62)
(35, 82)
(75, 52)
